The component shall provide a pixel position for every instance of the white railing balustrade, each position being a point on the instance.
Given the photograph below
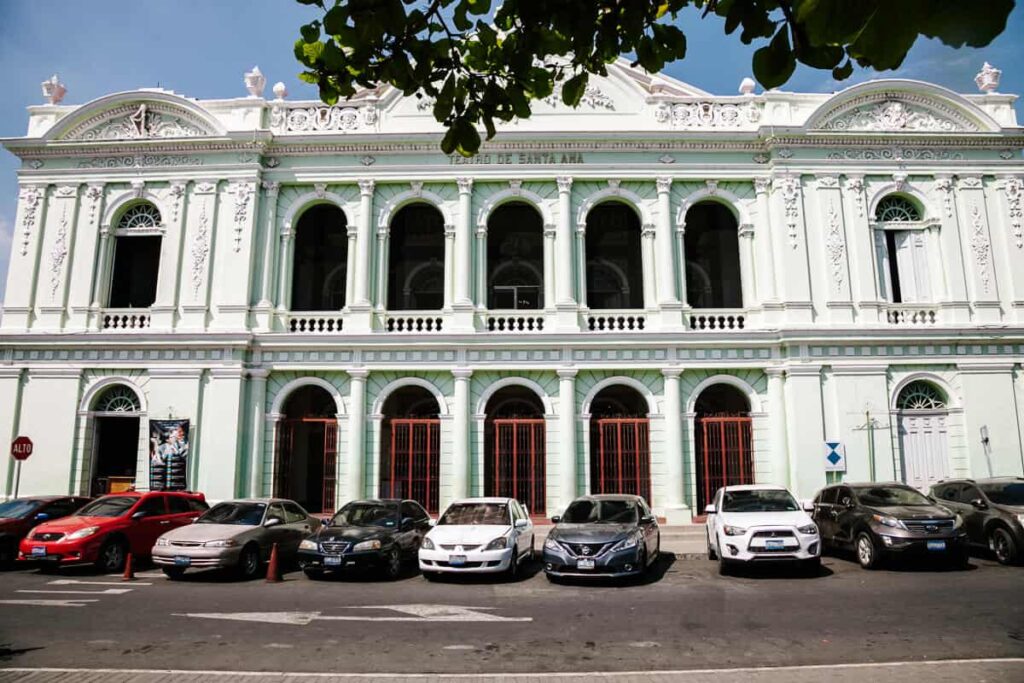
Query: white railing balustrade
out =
(412, 323)
(514, 322)
(718, 320)
(314, 323)
(127, 319)
(621, 321)
(911, 316)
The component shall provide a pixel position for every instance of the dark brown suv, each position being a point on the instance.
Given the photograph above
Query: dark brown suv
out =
(992, 510)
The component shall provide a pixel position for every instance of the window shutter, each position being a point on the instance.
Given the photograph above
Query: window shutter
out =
(905, 266)
(922, 283)
(882, 264)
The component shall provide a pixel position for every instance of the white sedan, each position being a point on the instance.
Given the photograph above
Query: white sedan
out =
(760, 523)
(478, 535)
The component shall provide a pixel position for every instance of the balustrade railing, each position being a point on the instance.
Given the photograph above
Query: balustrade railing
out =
(911, 316)
(514, 322)
(413, 322)
(717, 320)
(616, 321)
(125, 320)
(315, 323)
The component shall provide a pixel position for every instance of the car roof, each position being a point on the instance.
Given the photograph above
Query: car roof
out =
(754, 487)
(380, 501)
(45, 499)
(493, 499)
(611, 496)
(873, 484)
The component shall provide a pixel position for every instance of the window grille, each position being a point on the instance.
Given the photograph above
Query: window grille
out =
(140, 217)
(896, 209)
(921, 395)
(118, 399)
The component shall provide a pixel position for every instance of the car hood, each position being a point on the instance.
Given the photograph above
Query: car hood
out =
(11, 523)
(590, 533)
(475, 534)
(209, 532)
(66, 525)
(352, 534)
(1012, 509)
(795, 518)
(913, 511)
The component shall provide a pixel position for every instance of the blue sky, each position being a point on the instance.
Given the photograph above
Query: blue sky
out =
(200, 48)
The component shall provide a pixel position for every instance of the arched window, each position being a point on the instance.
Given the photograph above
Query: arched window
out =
(901, 250)
(416, 259)
(136, 258)
(117, 399)
(321, 260)
(614, 262)
(921, 395)
(712, 251)
(515, 258)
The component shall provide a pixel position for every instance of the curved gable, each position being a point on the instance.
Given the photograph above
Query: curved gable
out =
(136, 115)
(899, 106)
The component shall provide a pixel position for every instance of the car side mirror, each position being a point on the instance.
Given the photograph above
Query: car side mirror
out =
(138, 515)
(647, 520)
(808, 506)
(432, 522)
(407, 524)
(522, 523)
(325, 522)
(556, 519)
(41, 517)
(709, 510)
(846, 502)
(979, 504)
(273, 521)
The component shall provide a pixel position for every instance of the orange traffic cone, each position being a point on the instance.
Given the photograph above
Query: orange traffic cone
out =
(129, 570)
(273, 575)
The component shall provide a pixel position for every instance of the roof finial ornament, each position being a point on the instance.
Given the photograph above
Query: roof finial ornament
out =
(280, 91)
(53, 89)
(255, 82)
(988, 78)
(747, 86)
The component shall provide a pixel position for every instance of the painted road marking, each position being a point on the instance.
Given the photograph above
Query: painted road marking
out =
(106, 591)
(71, 602)
(76, 582)
(418, 613)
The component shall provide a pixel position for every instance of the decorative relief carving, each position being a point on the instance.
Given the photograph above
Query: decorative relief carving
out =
(895, 154)
(515, 187)
(895, 115)
(704, 115)
(367, 160)
(789, 187)
(140, 161)
(712, 186)
(899, 181)
(944, 185)
(138, 121)
(58, 254)
(366, 187)
(288, 118)
(1014, 188)
(205, 187)
(593, 98)
(66, 191)
(980, 247)
(465, 185)
(762, 184)
(564, 183)
(667, 159)
(272, 188)
(970, 182)
(828, 182)
(614, 185)
(94, 193)
(664, 184)
(200, 250)
(30, 198)
(835, 246)
(320, 189)
(242, 194)
(855, 185)
(648, 230)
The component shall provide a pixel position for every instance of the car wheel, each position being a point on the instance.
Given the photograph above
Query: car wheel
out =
(724, 567)
(552, 578)
(431, 576)
(513, 566)
(1002, 545)
(314, 574)
(867, 553)
(174, 573)
(533, 551)
(642, 563)
(249, 562)
(393, 564)
(112, 556)
(712, 555)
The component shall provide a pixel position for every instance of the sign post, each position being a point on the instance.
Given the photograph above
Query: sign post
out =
(21, 448)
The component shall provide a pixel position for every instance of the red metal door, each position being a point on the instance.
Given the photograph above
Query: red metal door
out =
(623, 456)
(410, 462)
(515, 468)
(724, 454)
(284, 442)
(330, 464)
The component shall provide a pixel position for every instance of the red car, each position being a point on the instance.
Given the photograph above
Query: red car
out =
(18, 516)
(107, 529)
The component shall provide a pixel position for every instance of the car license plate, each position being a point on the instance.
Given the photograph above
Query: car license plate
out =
(584, 563)
(38, 551)
(182, 561)
(774, 544)
(332, 560)
(936, 545)
(456, 560)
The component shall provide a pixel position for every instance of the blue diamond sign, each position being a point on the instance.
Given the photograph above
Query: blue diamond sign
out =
(835, 456)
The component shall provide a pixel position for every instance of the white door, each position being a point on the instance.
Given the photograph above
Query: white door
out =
(924, 448)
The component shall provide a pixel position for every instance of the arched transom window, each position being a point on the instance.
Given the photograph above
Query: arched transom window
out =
(901, 247)
(894, 209)
(117, 399)
(921, 395)
(140, 216)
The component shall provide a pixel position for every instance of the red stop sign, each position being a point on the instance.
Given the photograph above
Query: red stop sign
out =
(21, 448)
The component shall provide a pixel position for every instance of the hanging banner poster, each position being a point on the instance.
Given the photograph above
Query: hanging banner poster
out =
(168, 455)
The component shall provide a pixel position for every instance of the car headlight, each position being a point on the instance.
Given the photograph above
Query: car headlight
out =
(427, 544)
(81, 533)
(499, 543)
(810, 529)
(162, 541)
(733, 530)
(891, 522)
(626, 543)
(551, 544)
(958, 522)
(227, 543)
(1020, 518)
(366, 545)
(308, 545)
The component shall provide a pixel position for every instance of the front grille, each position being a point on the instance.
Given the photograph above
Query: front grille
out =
(762, 549)
(778, 533)
(928, 526)
(467, 548)
(585, 549)
(186, 544)
(465, 565)
(334, 547)
(51, 536)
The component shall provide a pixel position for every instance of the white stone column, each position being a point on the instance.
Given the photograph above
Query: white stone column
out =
(563, 245)
(581, 262)
(666, 253)
(364, 237)
(481, 267)
(647, 235)
(676, 511)
(284, 279)
(763, 251)
(232, 255)
(1013, 230)
(383, 237)
(10, 397)
(777, 425)
(464, 245)
(460, 434)
(220, 439)
(271, 191)
(805, 429)
(449, 266)
(746, 234)
(257, 415)
(863, 281)
(680, 249)
(567, 430)
(356, 432)
(549, 267)
(352, 233)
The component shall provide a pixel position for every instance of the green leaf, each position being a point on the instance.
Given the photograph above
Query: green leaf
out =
(478, 6)
(310, 32)
(774, 63)
(841, 73)
(336, 20)
(573, 89)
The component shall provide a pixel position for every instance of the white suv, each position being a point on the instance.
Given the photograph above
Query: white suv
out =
(760, 523)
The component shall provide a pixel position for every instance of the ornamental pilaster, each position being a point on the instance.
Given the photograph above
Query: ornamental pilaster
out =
(1012, 217)
(977, 237)
(834, 258)
(364, 241)
(767, 269)
(201, 219)
(790, 244)
(26, 242)
(952, 247)
(271, 193)
(464, 246)
(85, 257)
(57, 238)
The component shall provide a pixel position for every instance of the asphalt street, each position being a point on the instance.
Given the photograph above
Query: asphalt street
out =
(685, 617)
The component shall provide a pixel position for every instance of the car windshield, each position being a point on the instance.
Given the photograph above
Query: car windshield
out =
(476, 513)
(888, 496)
(243, 514)
(16, 509)
(601, 512)
(758, 500)
(1001, 494)
(112, 506)
(367, 514)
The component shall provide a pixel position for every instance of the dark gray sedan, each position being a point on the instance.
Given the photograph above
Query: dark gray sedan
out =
(602, 536)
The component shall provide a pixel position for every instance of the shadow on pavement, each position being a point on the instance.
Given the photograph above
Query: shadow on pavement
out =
(7, 653)
(778, 570)
(936, 565)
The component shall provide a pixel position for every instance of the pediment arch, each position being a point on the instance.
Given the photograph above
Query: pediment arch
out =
(136, 115)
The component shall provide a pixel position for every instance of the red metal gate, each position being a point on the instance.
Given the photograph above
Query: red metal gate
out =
(410, 461)
(285, 448)
(724, 454)
(623, 456)
(515, 466)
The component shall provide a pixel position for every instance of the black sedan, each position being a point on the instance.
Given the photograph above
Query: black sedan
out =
(602, 536)
(380, 534)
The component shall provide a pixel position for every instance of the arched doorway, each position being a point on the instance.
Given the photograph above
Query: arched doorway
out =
(711, 243)
(136, 258)
(411, 447)
(614, 276)
(416, 259)
(115, 447)
(320, 260)
(515, 258)
(620, 444)
(306, 467)
(723, 440)
(514, 448)
(921, 410)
